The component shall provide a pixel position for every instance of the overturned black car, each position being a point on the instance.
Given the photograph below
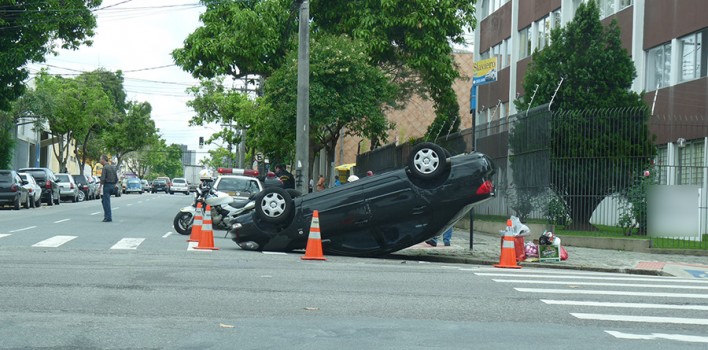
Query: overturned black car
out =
(374, 215)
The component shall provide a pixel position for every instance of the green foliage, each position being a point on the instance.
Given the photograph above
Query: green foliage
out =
(346, 92)
(30, 29)
(409, 40)
(598, 133)
(7, 140)
(597, 71)
(161, 160)
(130, 132)
(633, 210)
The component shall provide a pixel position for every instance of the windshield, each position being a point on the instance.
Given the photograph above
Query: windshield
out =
(63, 178)
(238, 185)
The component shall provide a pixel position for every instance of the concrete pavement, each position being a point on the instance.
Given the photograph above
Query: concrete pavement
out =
(486, 251)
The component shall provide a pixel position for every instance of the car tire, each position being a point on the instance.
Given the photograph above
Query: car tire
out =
(27, 202)
(183, 223)
(38, 203)
(50, 202)
(81, 196)
(57, 200)
(274, 205)
(427, 161)
(16, 205)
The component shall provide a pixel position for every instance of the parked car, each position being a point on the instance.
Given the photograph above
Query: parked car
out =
(35, 192)
(11, 190)
(87, 189)
(67, 186)
(179, 184)
(160, 185)
(94, 185)
(133, 185)
(374, 215)
(97, 182)
(47, 180)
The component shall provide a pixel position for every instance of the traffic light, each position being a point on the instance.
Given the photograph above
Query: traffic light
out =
(201, 141)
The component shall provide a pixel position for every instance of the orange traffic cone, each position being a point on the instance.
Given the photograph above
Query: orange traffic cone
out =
(314, 240)
(206, 241)
(196, 234)
(508, 252)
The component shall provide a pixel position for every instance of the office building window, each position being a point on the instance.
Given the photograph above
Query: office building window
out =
(543, 36)
(691, 48)
(658, 67)
(610, 7)
(525, 42)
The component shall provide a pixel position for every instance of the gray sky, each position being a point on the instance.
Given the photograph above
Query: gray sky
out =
(137, 36)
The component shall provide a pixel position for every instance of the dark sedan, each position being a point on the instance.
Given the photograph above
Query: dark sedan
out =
(11, 190)
(377, 214)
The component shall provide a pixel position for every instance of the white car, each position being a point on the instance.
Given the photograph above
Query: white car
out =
(179, 184)
(240, 187)
(67, 187)
(35, 192)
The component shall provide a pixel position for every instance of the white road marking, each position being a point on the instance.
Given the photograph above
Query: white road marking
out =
(54, 242)
(191, 246)
(23, 229)
(601, 284)
(633, 279)
(96, 213)
(677, 337)
(645, 319)
(612, 292)
(58, 221)
(128, 243)
(626, 305)
(4, 235)
(167, 234)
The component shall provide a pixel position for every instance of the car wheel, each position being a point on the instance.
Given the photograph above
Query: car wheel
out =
(427, 160)
(38, 203)
(16, 205)
(274, 205)
(81, 196)
(50, 202)
(28, 203)
(183, 223)
(57, 199)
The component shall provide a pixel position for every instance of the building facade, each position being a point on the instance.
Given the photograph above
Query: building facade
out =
(663, 37)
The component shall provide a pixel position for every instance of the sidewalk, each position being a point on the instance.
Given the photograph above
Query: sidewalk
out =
(486, 250)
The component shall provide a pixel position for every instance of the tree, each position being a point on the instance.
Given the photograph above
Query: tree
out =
(232, 110)
(30, 29)
(347, 94)
(598, 134)
(163, 160)
(410, 40)
(130, 132)
(71, 107)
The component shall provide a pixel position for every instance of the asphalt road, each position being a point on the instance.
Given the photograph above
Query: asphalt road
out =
(134, 283)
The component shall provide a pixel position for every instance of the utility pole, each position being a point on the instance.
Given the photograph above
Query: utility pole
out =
(302, 134)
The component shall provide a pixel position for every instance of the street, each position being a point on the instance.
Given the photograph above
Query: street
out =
(71, 281)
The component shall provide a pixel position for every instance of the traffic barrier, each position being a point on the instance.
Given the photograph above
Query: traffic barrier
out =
(508, 251)
(196, 233)
(313, 251)
(206, 241)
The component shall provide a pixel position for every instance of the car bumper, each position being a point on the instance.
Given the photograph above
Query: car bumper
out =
(9, 197)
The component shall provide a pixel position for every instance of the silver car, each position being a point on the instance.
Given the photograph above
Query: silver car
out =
(67, 187)
(35, 192)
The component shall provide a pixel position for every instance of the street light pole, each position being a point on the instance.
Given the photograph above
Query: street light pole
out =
(302, 134)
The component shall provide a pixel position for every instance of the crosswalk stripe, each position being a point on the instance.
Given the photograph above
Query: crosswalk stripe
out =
(128, 243)
(4, 235)
(646, 319)
(612, 292)
(627, 279)
(601, 284)
(626, 305)
(54, 242)
(678, 337)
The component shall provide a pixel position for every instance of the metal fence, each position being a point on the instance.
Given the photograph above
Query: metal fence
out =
(587, 172)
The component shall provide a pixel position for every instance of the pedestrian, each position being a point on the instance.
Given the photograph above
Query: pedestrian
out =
(109, 178)
(285, 176)
(321, 183)
(311, 185)
(445, 236)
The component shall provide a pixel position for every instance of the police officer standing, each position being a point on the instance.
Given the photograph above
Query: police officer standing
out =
(285, 176)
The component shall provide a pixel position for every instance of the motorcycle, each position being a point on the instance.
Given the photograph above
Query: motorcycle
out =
(224, 209)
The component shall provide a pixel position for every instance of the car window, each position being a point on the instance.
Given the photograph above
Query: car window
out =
(63, 178)
(5, 177)
(134, 181)
(179, 181)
